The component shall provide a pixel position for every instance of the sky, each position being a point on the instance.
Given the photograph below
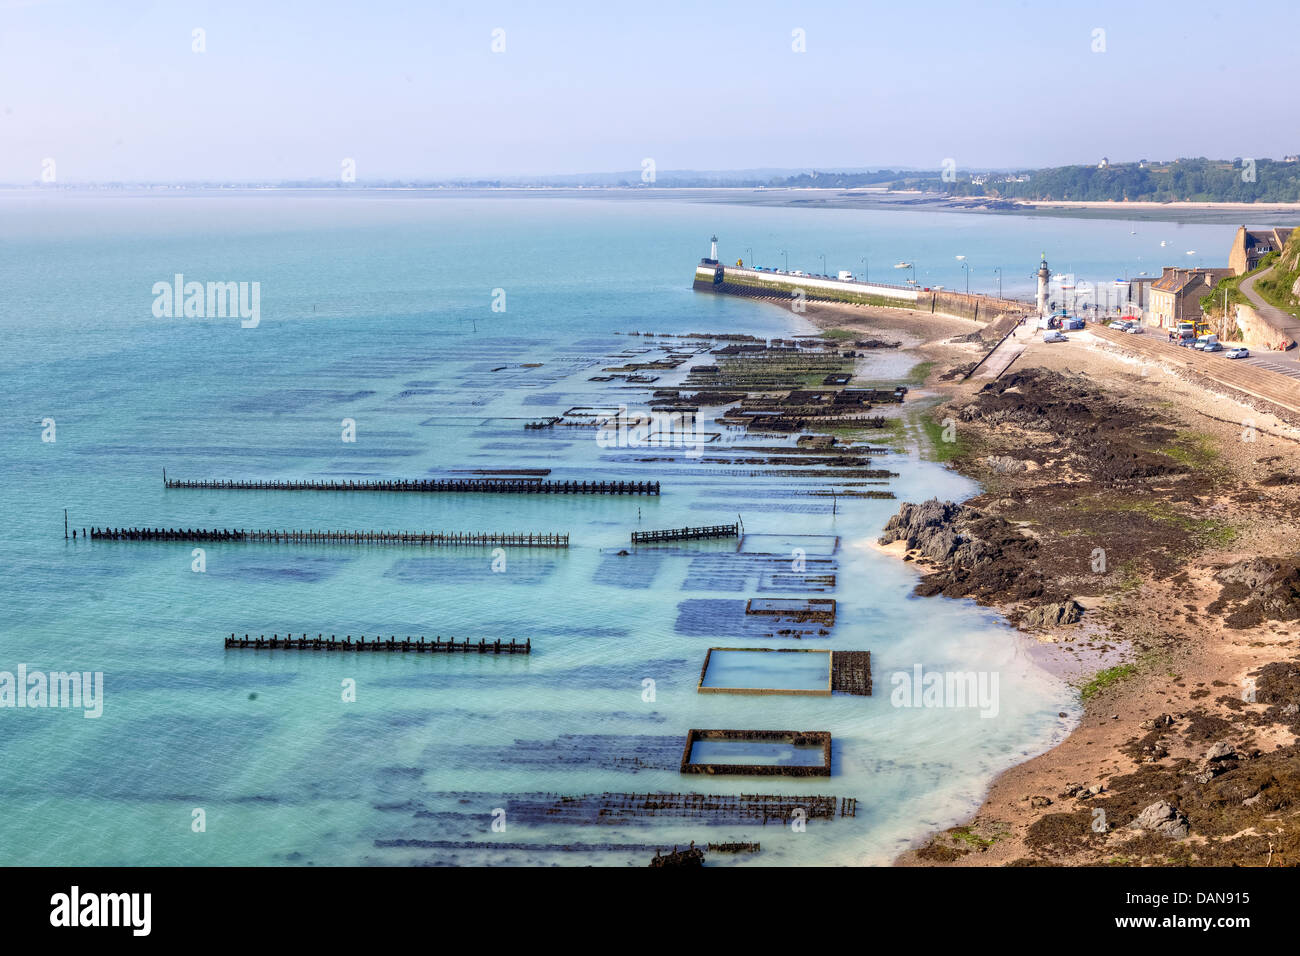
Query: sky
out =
(114, 90)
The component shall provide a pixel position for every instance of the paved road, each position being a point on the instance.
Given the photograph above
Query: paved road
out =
(1288, 325)
(1275, 363)
(1263, 375)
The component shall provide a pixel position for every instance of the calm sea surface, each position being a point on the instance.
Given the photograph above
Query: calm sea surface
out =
(378, 308)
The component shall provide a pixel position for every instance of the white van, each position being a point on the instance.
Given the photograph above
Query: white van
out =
(1205, 340)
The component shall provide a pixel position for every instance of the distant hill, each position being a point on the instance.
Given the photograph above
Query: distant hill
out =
(1185, 180)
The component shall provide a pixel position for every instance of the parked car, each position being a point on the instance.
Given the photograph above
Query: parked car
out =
(1118, 326)
(1054, 336)
(1240, 352)
(1133, 328)
(1212, 347)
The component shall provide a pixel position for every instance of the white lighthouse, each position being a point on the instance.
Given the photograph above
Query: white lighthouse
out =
(1044, 275)
(713, 249)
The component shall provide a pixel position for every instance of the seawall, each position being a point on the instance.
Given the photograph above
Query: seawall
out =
(753, 283)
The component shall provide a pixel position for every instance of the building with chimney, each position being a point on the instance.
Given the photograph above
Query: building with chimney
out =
(1177, 294)
(1251, 245)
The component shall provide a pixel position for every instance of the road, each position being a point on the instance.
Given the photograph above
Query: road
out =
(1266, 376)
(1288, 325)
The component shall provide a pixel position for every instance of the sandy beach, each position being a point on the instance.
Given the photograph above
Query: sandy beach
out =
(1186, 650)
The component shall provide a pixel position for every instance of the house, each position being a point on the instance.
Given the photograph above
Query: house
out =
(1176, 295)
(1251, 245)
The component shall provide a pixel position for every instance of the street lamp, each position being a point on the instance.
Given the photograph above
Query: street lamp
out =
(866, 270)
(822, 256)
(998, 270)
(787, 260)
(749, 251)
(966, 267)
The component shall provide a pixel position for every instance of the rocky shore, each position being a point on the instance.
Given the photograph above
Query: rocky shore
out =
(1144, 534)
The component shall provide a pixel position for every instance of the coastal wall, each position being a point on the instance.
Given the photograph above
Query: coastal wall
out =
(823, 289)
(729, 280)
(1257, 331)
(981, 308)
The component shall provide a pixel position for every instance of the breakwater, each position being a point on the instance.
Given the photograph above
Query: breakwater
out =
(421, 538)
(782, 286)
(404, 646)
(507, 486)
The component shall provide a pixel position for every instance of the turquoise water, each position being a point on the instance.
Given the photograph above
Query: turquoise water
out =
(758, 669)
(379, 310)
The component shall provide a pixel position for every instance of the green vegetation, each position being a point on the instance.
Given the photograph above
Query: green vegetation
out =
(1277, 287)
(1214, 533)
(1194, 449)
(919, 373)
(1103, 679)
(840, 335)
(974, 839)
(941, 448)
(1188, 180)
(1130, 576)
(1212, 303)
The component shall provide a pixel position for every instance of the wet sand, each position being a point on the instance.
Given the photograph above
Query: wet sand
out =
(1145, 736)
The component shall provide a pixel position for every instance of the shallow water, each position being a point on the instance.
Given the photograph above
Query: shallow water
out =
(380, 311)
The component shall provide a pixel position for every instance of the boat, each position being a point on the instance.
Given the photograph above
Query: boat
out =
(902, 265)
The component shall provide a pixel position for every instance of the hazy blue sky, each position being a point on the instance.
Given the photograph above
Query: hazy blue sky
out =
(111, 90)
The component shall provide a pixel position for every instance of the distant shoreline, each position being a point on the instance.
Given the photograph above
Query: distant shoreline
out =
(1208, 213)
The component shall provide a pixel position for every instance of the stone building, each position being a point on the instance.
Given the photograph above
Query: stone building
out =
(1177, 294)
(1251, 245)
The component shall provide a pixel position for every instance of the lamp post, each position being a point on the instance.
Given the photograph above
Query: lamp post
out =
(966, 267)
(866, 270)
(749, 251)
(787, 260)
(998, 270)
(822, 256)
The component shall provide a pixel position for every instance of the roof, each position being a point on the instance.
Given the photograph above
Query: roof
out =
(1272, 238)
(1177, 280)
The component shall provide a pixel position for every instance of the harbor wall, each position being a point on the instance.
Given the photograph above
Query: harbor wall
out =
(729, 280)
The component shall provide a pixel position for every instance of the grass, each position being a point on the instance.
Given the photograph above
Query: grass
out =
(1212, 304)
(1194, 449)
(840, 335)
(940, 449)
(964, 834)
(919, 373)
(1130, 576)
(1215, 533)
(1103, 679)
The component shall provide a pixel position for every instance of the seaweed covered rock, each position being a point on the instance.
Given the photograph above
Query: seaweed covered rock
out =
(1260, 589)
(979, 555)
(1162, 818)
(1053, 615)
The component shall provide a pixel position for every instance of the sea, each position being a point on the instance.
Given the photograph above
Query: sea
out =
(407, 334)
